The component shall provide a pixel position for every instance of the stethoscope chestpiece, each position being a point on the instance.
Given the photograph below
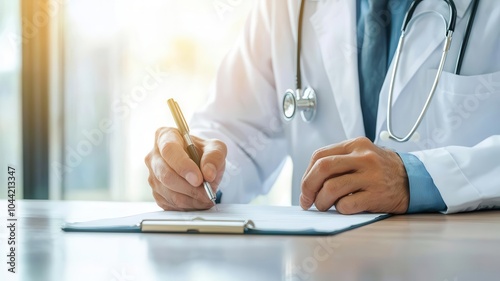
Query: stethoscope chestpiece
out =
(304, 102)
(289, 105)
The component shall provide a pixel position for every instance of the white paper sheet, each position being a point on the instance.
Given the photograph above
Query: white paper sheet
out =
(266, 218)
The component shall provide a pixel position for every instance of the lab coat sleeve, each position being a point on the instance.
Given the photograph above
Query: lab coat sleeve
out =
(468, 178)
(242, 111)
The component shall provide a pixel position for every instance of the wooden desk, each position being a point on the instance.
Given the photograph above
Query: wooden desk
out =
(416, 247)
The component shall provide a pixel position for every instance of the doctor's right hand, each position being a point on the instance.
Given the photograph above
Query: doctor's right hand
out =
(175, 179)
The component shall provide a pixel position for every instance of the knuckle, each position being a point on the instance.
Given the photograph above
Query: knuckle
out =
(166, 175)
(304, 184)
(168, 148)
(169, 178)
(346, 207)
(159, 132)
(220, 144)
(190, 203)
(321, 206)
(363, 141)
(307, 186)
(169, 141)
(163, 205)
(178, 200)
(317, 155)
(359, 143)
(322, 165)
(193, 193)
(151, 181)
(329, 185)
(147, 159)
(218, 155)
(218, 149)
(218, 181)
(200, 205)
(370, 156)
(160, 201)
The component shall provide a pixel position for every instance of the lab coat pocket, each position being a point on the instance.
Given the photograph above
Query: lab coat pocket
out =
(464, 110)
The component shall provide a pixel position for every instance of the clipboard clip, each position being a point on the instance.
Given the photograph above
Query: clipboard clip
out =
(197, 225)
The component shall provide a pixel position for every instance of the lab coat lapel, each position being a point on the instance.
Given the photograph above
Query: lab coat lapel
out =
(335, 25)
(414, 56)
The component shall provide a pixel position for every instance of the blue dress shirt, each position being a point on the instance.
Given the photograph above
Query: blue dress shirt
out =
(424, 195)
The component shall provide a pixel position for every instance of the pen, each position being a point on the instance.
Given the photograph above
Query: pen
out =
(191, 148)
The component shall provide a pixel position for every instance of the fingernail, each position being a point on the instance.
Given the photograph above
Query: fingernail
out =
(210, 171)
(192, 178)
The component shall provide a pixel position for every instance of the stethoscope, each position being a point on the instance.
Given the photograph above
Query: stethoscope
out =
(306, 101)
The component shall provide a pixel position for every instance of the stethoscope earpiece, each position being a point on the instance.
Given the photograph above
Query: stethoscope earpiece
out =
(384, 136)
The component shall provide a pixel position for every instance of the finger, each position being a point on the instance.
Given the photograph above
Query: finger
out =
(322, 170)
(152, 179)
(336, 188)
(182, 202)
(187, 203)
(213, 159)
(321, 153)
(169, 199)
(218, 179)
(157, 187)
(179, 202)
(171, 147)
(169, 179)
(355, 203)
(162, 202)
(341, 148)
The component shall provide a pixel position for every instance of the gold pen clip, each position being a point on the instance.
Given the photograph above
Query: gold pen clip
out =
(179, 119)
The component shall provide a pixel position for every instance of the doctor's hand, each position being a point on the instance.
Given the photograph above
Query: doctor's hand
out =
(175, 179)
(356, 176)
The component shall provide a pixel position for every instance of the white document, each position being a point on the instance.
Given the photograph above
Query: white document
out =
(267, 219)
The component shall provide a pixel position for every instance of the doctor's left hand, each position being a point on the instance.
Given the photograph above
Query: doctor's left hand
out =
(356, 176)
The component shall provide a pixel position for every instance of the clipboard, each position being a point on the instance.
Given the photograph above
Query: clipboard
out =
(232, 219)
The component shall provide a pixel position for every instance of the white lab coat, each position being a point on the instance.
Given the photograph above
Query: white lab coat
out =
(459, 136)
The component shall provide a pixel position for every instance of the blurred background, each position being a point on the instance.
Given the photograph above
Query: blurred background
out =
(83, 85)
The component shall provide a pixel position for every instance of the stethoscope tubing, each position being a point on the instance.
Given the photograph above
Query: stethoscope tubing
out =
(449, 34)
(308, 103)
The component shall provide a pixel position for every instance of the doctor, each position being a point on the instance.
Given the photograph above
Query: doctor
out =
(343, 156)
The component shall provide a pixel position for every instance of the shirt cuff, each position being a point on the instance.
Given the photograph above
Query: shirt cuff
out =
(424, 195)
(218, 197)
